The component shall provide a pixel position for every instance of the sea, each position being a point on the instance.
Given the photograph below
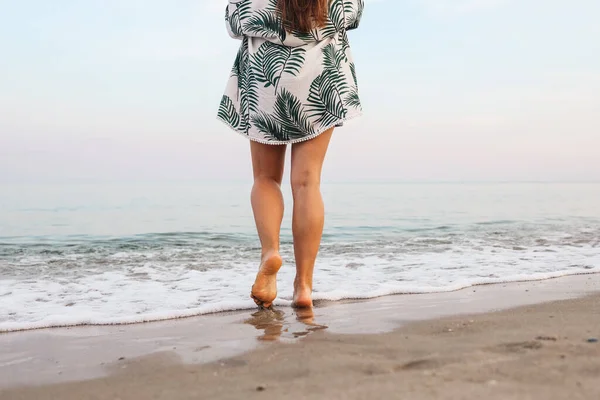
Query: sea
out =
(119, 253)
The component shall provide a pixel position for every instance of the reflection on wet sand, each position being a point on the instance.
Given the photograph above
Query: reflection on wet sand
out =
(275, 325)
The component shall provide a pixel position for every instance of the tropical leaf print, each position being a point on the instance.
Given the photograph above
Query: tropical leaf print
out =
(328, 89)
(227, 17)
(237, 64)
(290, 113)
(332, 57)
(247, 86)
(353, 13)
(353, 71)
(337, 20)
(349, 9)
(325, 101)
(249, 101)
(268, 125)
(272, 6)
(228, 113)
(266, 24)
(352, 99)
(272, 60)
(233, 20)
(289, 120)
(345, 46)
(242, 10)
(308, 37)
(332, 64)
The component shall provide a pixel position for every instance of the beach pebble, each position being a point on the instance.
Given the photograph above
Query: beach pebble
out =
(260, 388)
(592, 340)
(121, 358)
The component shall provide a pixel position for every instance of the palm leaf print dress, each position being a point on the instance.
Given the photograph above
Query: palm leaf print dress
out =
(287, 87)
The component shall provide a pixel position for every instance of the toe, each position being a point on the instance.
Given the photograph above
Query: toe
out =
(256, 300)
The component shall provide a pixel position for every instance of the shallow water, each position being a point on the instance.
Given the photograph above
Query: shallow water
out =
(50, 356)
(102, 254)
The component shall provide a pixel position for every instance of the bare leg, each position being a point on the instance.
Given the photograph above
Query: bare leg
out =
(309, 212)
(267, 204)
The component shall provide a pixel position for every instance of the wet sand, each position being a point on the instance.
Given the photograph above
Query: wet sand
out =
(439, 346)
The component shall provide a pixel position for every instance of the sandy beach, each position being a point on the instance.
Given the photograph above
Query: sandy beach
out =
(542, 350)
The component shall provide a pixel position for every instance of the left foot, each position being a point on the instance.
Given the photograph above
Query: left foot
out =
(264, 290)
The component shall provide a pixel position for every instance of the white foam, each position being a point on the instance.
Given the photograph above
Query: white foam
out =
(169, 292)
(55, 321)
(341, 295)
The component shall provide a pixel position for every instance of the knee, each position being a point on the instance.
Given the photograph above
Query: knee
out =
(304, 179)
(262, 180)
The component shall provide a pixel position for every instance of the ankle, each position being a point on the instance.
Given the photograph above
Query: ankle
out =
(269, 253)
(302, 286)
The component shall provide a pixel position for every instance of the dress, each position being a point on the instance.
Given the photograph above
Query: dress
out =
(287, 87)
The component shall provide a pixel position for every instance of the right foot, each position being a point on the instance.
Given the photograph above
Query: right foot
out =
(302, 297)
(264, 290)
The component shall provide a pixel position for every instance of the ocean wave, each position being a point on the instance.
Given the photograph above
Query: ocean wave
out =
(100, 280)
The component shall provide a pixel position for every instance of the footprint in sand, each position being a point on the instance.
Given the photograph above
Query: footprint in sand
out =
(517, 347)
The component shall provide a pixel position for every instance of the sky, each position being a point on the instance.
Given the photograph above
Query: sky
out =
(452, 90)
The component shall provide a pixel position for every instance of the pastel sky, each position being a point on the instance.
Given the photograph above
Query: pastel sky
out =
(452, 90)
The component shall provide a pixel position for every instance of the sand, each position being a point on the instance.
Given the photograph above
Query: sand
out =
(540, 351)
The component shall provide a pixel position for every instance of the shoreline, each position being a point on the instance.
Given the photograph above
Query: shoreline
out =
(536, 351)
(196, 313)
(66, 355)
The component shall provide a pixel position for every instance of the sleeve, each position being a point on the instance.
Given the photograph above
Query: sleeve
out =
(353, 18)
(232, 20)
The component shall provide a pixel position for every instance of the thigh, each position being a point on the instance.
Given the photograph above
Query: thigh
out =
(268, 160)
(308, 157)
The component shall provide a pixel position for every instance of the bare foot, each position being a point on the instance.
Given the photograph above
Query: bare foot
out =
(264, 290)
(302, 297)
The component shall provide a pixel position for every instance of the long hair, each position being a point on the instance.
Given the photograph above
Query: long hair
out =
(303, 15)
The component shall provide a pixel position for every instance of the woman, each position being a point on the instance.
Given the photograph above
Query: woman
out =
(292, 82)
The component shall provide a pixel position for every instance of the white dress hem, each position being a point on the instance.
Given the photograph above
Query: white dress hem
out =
(292, 141)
